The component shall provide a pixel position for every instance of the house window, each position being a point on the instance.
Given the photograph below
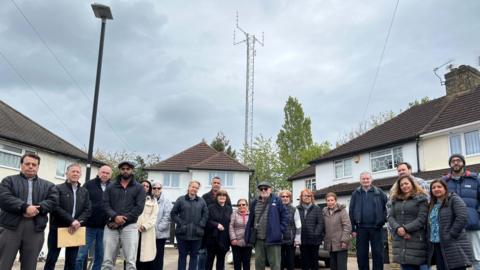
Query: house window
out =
(226, 178)
(171, 180)
(10, 155)
(311, 184)
(343, 168)
(467, 143)
(62, 165)
(386, 159)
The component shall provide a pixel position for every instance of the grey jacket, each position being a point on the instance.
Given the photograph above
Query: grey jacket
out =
(456, 248)
(337, 228)
(411, 214)
(162, 227)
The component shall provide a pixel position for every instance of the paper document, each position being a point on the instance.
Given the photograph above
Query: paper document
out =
(65, 239)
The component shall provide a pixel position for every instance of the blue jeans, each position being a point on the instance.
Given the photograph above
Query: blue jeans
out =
(202, 258)
(94, 235)
(424, 267)
(374, 237)
(188, 248)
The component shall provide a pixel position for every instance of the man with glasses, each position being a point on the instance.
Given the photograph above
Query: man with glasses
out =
(162, 226)
(97, 220)
(123, 201)
(266, 225)
(466, 185)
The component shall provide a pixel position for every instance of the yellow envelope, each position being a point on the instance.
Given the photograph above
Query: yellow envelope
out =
(65, 239)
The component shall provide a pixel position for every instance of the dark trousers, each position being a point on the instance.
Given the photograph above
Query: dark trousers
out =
(288, 257)
(374, 238)
(338, 260)
(188, 248)
(309, 257)
(53, 252)
(158, 261)
(23, 238)
(409, 267)
(212, 252)
(241, 256)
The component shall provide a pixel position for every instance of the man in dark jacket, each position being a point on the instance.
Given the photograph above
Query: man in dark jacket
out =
(190, 214)
(266, 225)
(97, 220)
(368, 214)
(123, 201)
(466, 185)
(72, 212)
(25, 201)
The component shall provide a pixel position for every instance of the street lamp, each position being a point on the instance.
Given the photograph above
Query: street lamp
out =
(103, 12)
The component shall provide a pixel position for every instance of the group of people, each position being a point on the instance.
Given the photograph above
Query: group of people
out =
(436, 224)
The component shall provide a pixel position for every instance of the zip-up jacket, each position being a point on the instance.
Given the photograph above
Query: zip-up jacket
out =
(379, 203)
(467, 187)
(129, 201)
(62, 216)
(313, 224)
(190, 216)
(13, 200)
(98, 218)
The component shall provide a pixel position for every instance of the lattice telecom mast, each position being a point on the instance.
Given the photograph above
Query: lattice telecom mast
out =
(250, 40)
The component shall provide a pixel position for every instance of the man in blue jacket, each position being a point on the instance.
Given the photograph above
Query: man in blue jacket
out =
(368, 214)
(467, 186)
(266, 224)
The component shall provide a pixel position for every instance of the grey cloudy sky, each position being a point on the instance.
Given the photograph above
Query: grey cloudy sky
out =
(171, 75)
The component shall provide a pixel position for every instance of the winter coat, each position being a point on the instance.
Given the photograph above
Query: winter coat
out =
(119, 201)
(210, 199)
(13, 200)
(455, 246)
(468, 188)
(98, 217)
(411, 214)
(147, 219)
(355, 208)
(62, 215)
(162, 228)
(294, 229)
(337, 228)
(238, 222)
(218, 214)
(277, 221)
(313, 224)
(190, 217)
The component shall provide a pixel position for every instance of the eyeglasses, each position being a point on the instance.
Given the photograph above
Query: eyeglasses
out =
(157, 188)
(263, 188)
(456, 160)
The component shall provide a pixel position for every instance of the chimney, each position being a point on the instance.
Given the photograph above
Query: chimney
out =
(461, 80)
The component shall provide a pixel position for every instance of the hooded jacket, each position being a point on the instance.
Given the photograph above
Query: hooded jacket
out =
(337, 228)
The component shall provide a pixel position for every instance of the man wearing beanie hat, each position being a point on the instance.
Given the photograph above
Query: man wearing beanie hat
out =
(466, 184)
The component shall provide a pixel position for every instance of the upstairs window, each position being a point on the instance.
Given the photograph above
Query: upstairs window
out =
(343, 168)
(387, 159)
(227, 178)
(467, 143)
(171, 180)
(311, 184)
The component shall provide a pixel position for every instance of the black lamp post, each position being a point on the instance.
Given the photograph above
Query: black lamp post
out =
(103, 12)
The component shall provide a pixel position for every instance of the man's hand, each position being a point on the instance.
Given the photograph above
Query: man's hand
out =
(220, 227)
(31, 211)
(141, 228)
(74, 227)
(120, 220)
(296, 243)
(354, 234)
(234, 242)
(343, 245)
(401, 231)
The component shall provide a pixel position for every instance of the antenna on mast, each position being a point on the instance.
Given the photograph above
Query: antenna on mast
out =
(250, 40)
(449, 66)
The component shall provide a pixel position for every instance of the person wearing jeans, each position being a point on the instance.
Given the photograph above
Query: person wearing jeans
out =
(128, 237)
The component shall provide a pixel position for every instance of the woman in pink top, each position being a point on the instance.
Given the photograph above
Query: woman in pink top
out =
(238, 221)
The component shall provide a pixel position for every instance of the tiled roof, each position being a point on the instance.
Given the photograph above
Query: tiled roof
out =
(385, 183)
(307, 172)
(201, 157)
(16, 127)
(437, 114)
(220, 161)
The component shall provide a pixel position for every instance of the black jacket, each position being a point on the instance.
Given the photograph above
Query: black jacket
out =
(209, 199)
(129, 201)
(355, 209)
(62, 216)
(218, 215)
(313, 224)
(98, 218)
(190, 217)
(13, 200)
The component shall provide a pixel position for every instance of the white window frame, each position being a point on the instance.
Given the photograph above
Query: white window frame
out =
(67, 163)
(309, 183)
(5, 151)
(390, 154)
(169, 184)
(463, 145)
(227, 175)
(342, 162)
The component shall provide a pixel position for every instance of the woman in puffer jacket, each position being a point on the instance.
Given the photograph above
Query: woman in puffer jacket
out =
(292, 235)
(337, 232)
(407, 217)
(241, 251)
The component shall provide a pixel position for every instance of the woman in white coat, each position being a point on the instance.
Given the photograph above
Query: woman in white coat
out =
(146, 227)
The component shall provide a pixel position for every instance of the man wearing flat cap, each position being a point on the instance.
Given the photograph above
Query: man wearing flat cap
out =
(266, 224)
(123, 202)
(466, 185)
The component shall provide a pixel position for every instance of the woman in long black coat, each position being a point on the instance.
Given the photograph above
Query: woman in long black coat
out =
(217, 238)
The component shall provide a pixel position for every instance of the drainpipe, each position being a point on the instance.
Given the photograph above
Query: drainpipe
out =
(418, 156)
